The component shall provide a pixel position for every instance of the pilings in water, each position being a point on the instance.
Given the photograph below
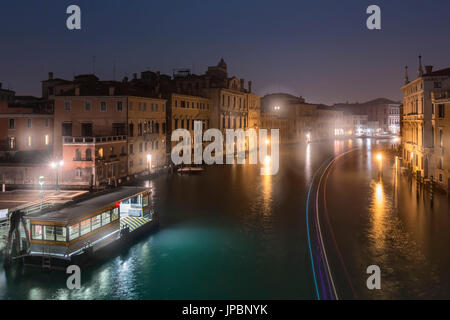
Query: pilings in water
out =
(13, 243)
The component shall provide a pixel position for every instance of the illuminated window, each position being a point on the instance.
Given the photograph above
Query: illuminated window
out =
(47, 139)
(85, 226)
(115, 214)
(74, 231)
(29, 141)
(12, 143)
(100, 153)
(60, 234)
(96, 222)
(49, 233)
(106, 218)
(36, 232)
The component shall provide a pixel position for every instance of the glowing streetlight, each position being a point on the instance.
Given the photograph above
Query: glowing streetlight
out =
(308, 137)
(41, 182)
(267, 141)
(149, 162)
(267, 161)
(379, 157)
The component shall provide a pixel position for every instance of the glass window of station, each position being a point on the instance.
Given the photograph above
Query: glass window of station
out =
(137, 206)
(72, 232)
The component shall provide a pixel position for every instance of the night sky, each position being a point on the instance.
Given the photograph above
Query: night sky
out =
(321, 50)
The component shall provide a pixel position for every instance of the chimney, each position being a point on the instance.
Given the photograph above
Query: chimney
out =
(77, 91)
(242, 84)
(111, 91)
(50, 76)
(249, 87)
(420, 70)
(428, 69)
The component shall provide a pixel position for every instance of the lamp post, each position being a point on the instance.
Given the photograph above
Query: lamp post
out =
(56, 166)
(41, 182)
(380, 164)
(149, 163)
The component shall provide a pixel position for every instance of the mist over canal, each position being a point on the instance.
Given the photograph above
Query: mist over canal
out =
(228, 233)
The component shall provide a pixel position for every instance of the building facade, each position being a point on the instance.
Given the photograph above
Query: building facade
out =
(441, 119)
(146, 134)
(418, 127)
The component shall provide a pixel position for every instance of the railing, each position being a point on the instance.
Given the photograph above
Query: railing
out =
(437, 95)
(93, 140)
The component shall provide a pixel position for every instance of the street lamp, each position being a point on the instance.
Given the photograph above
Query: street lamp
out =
(149, 162)
(380, 164)
(56, 165)
(41, 182)
(267, 141)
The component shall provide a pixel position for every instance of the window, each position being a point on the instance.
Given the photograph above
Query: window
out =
(103, 106)
(130, 105)
(440, 164)
(437, 85)
(36, 232)
(183, 104)
(67, 105)
(74, 231)
(86, 129)
(88, 154)
(131, 129)
(106, 218)
(47, 139)
(60, 234)
(29, 141)
(49, 233)
(145, 201)
(12, 123)
(100, 153)
(441, 111)
(78, 173)
(140, 147)
(78, 155)
(29, 123)
(87, 106)
(96, 222)
(85, 226)
(115, 214)
(67, 129)
(131, 149)
(441, 136)
(119, 106)
(12, 143)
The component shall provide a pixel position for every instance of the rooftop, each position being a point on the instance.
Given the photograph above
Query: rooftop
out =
(75, 211)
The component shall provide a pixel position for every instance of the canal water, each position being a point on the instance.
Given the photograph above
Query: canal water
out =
(229, 233)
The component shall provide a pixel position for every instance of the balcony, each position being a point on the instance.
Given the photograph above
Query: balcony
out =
(440, 96)
(93, 140)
